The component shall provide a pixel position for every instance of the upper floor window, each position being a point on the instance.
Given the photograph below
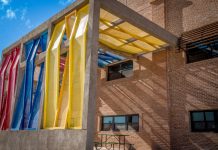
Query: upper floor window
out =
(119, 123)
(120, 70)
(204, 120)
(203, 49)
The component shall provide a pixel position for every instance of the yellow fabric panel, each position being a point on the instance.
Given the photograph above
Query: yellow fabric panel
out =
(114, 36)
(118, 34)
(154, 40)
(128, 48)
(102, 26)
(128, 28)
(144, 45)
(108, 16)
(63, 101)
(110, 40)
(70, 21)
(77, 58)
(63, 104)
(52, 75)
(118, 45)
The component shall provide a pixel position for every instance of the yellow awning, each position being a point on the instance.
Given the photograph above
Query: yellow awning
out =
(123, 36)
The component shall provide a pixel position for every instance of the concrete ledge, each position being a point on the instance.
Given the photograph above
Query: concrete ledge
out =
(43, 140)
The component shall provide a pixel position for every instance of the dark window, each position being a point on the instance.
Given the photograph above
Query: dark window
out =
(202, 49)
(204, 120)
(120, 123)
(120, 70)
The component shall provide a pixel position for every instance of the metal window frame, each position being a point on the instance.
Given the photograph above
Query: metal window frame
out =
(204, 121)
(113, 122)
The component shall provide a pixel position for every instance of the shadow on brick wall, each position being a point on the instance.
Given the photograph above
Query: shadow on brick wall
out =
(144, 94)
(193, 87)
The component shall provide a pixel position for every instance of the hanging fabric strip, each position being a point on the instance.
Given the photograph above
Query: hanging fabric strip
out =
(30, 66)
(63, 101)
(34, 115)
(9, 101)
(20, 105)
(52, 76)
(3, 69)
(77, 58)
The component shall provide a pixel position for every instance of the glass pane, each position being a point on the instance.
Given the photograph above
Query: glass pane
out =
(119, 127)
(107, 127)
(107, 119)
(198, 116)
(133, 126)
(199, 126)
(120, 119)
(211, 125)
(135, 119)
(209, 116)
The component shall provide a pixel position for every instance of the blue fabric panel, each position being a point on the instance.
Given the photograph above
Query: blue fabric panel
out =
(18, 113)
(30, 67)
(34, 116)
(115, 56)
(103, 57)
(43, 42)
(102, 63)
(27, 109)
(28, 48)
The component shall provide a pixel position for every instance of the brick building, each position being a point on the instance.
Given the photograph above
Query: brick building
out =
(165, 99)
(164, 88)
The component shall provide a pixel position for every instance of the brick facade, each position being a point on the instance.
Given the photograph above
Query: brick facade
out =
(144, 94)
(164, 89)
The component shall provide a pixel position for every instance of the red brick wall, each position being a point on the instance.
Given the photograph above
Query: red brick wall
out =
(144, 94)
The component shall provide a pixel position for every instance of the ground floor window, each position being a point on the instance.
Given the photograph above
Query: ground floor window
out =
(204, 121)
(120, 123)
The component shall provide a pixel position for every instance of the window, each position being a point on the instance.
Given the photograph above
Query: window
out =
(120, 123)
(202, 49)
(120, 70)
(204, 120)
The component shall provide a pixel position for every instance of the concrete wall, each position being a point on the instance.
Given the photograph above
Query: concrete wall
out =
(145, 94)
(43, 140)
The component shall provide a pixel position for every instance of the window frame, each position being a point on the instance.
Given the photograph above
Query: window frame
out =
(209, 42)
(113, 122)
(206, 129)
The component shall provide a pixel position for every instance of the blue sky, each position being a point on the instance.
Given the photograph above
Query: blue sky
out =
(18, 17)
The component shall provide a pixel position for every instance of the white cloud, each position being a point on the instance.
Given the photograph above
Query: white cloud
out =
(23, 14)
(65, 2)
(28, 23)
(23, 17)
(10, 14)
(5, 2)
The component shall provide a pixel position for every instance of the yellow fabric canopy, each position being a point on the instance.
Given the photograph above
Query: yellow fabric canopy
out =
(123, 36)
